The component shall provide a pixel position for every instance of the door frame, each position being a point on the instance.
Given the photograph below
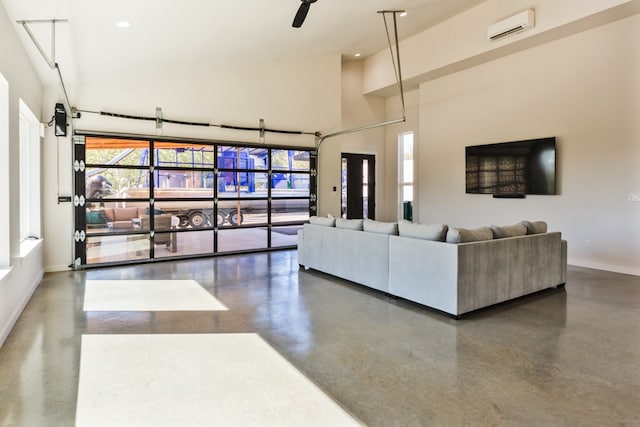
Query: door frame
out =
(354, 207)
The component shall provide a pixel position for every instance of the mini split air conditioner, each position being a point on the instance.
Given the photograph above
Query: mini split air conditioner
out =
(514, 24)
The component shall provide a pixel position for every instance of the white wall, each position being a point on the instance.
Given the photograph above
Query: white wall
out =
(357, 111)
(320, 94)
(296, 95)
(18, 282)
(461, 42)
(584, 90)
(574, 76)
(393, 107)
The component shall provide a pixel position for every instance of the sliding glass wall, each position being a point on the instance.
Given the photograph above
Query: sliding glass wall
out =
(141, 199)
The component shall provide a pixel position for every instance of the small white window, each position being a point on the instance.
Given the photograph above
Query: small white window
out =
(29, 173)
(4, 173)
(405, 176)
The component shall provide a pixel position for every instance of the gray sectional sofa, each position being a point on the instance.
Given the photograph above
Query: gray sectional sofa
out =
(453, 270)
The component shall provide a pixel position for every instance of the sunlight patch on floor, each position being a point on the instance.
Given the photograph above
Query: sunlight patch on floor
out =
(148, 295)
(196, 380)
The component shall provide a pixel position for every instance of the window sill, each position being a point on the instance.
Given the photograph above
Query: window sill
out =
(29, 245)
(4, 272)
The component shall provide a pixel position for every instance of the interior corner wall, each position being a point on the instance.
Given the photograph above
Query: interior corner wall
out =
(393, 108)
(299, 95)
(17, 283)
(584, 90)
(357, 110)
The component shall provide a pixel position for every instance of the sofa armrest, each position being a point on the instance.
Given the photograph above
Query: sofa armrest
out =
(502, 269)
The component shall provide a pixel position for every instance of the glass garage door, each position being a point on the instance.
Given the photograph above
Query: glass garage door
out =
(144, 199)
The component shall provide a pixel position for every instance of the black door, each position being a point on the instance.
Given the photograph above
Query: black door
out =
(358, 185)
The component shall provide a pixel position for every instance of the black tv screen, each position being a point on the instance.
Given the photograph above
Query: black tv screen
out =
(512, 168)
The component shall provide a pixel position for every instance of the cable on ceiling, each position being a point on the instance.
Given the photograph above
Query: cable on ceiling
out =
(396, 68)
(202, 124)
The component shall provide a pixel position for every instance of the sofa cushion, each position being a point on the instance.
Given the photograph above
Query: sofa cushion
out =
(535, 227)
(437, 232)
(349, 224)
(125, 214)
(321, 220)
(465, 235)
(500, 232)
(109, 214)
(380, 227)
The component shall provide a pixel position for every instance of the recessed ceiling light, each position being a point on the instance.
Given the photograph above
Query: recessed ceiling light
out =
(123, 24)
(357, 55)
(403, 14)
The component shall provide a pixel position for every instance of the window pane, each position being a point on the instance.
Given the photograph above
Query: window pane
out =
(284, 236)
(117, 248)
(408, 170)
(29, 168)
(4, 172)
(343, 190)
(406, 173)
(407, 142)
(291, 160)
(183, 179)
(407, 158)
(288, 210)
(111, 219)
(250, 158)
(171, 154)
(242, 239)
(238, 184)
(242, 212)
(183, 243)
(407, 193)
(187, 213)
(289, 185)
(110, 151)
(111, 183)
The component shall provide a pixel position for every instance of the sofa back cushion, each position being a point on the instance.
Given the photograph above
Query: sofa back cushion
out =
(535, 227)
(109, 214)
(321, 220)
(380, 227)
(349, 224)
(125, 214)
(500, 232)
(437, 232)
(465, 235)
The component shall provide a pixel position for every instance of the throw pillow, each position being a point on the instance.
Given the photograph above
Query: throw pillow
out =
(437, 232)
(380, 227)
(465, 235)
(500, 232)
(535, 227)
(95, 217)
(349, 224)
(320, 220)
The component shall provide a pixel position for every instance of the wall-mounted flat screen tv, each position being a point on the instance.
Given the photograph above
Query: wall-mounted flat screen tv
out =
(512, 168)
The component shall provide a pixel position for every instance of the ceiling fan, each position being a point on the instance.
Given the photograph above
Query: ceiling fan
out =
(302, 13)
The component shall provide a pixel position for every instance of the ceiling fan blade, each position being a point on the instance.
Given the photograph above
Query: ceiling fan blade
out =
(301, 14)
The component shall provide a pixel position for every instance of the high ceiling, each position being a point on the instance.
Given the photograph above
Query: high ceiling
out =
(173, 35)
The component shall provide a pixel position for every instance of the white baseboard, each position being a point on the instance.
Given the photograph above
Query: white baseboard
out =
(56, 268)
(606, 267)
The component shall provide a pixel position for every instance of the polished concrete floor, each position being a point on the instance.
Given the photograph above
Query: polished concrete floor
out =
(567, 357)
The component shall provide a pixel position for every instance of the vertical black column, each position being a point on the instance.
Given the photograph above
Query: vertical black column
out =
(313, 183)
(79, 202)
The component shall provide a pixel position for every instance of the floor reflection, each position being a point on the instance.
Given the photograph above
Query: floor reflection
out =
(560, 357)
